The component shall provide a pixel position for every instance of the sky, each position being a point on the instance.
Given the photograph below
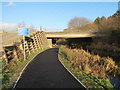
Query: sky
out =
(54, 16)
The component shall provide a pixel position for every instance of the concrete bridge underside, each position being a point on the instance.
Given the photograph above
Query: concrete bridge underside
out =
(52, 37)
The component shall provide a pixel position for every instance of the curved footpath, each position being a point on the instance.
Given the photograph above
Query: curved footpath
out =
(46, 71)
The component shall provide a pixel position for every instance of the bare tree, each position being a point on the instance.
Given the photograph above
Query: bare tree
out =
(32, 28)
(77, 22)
(21, 25)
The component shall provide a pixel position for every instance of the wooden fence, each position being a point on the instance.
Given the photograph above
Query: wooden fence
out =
(33, 42)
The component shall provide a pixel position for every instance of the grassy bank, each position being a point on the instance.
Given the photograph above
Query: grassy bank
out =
(78, 62)
(11, 71)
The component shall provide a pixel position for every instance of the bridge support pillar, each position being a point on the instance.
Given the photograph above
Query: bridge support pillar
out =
(50, 42)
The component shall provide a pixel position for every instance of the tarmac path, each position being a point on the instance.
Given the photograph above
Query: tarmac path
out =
(46, 71)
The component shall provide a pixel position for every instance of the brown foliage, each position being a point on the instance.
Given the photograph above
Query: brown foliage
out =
(91, 64)
(88, 28)
(108, 25)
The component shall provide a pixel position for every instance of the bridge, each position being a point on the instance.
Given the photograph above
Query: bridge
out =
(51, 35)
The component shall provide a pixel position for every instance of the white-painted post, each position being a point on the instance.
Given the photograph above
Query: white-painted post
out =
(24, 47)
(23, 31)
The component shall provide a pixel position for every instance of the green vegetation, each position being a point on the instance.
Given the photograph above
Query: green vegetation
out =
(87, 67)
(11, 71)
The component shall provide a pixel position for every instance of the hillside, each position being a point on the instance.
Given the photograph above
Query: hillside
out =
(100, 24)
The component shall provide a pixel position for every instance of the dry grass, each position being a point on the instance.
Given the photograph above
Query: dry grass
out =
(93, 27)
(89, 28)
(83, 64)
(12, 70)
(91, 64)
(105, 49)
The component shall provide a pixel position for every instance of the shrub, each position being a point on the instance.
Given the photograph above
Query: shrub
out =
(83, 74)
(88, 63)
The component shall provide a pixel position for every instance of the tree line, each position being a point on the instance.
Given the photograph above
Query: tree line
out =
(109, 27)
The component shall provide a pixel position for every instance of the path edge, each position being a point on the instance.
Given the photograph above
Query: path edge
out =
(24, 70)
(71, 73)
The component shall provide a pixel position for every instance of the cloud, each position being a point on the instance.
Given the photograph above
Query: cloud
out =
(11, 4)
(8, 27)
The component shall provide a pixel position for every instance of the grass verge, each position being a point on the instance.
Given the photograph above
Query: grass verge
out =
(11, 71)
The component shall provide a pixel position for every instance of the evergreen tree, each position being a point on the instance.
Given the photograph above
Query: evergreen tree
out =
(97, 20)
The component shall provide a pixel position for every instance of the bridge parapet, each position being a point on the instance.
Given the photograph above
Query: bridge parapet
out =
(70, 35)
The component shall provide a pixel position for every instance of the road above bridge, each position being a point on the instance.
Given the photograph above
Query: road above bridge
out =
(46, 71)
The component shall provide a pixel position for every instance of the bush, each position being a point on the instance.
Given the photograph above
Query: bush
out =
(88, 63)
